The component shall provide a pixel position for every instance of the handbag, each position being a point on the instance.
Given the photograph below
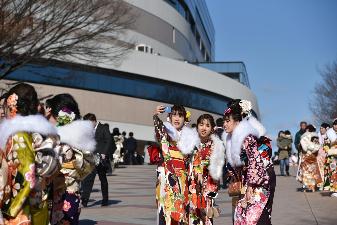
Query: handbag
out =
(234, 187)
(213, 212)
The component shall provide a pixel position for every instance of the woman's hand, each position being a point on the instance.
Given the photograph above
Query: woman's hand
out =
(249, 193)
(159, 110)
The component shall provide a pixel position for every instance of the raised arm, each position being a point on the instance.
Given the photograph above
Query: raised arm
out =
(158, 124)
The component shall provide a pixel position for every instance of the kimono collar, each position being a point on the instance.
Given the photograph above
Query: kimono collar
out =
(31, 124)
(235, 140)
(79, 134)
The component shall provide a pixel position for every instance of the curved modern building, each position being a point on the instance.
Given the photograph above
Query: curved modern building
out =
(172, 63)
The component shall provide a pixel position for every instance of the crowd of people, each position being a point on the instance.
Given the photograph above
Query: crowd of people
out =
(191, 161)
(317, 157)
(50, 156)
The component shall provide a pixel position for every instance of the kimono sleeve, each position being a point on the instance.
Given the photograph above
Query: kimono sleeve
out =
(159, 128)
(211, 187)
(24, 177)
(255, 170)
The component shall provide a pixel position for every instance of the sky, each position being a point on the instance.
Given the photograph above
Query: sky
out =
(284, 44)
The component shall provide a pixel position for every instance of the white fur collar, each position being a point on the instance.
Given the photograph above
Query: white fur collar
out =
(172, 131)
(188, 140)
(32, 124)
(217, 158)
(235, 140)
(332, 135)
(79, 134)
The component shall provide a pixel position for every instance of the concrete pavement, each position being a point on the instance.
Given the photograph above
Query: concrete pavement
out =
(132, 202)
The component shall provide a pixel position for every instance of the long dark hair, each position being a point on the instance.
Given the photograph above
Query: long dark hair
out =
(27, 103)
(62, 101)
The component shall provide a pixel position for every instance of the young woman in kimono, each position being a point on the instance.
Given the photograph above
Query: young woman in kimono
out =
(308, 173)
(77, 144)
(171, 187)
(256, 168)
(330, 170)
(27, 141)
(205, 170)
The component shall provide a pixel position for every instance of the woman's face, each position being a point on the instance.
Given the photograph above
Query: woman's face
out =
(177, 120)
(230, 124)
(335, 127)
(204, 129)
(322, 130)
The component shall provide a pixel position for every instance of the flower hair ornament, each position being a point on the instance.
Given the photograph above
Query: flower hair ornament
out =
(65, 116)
(246, 107)
(12, 102)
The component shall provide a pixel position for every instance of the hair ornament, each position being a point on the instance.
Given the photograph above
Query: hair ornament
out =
(12, 102)
(228, 110)
(246, 107)
(65, 116)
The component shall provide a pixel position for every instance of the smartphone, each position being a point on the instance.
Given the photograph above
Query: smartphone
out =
(167, 109)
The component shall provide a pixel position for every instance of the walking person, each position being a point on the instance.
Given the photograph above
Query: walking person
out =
(103, 140)
(244, 134)
(75, 151)
(331, 161)
(303, 126)
(172, 187)
(205, 171)
(308, 172)
(26, 156)
(322, 153)
(131, 147)
(284, 143)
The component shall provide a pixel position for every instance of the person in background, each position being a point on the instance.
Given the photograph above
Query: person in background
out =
(284, 143)
(303, 126)
(103, 139)
(308, 172)
(131, 146)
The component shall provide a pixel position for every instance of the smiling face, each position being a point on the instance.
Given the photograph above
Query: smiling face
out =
(322, 130)
(177, 120)
(204, 129)
(229, 124)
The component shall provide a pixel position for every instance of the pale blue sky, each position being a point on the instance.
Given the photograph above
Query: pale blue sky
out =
(283, 44)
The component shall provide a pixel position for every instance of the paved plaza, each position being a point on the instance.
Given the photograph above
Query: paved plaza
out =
(132, 202)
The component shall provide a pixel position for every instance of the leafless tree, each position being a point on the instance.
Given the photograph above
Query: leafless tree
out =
(324, 104)
(69, 30)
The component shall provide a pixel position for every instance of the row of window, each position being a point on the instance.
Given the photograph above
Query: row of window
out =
(121, 83)
(182, 8)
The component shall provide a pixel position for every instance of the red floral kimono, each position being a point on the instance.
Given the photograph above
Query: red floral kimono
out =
(203, 187)
(171, 187)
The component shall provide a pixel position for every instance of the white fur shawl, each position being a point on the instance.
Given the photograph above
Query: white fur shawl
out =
(217, 158)
(235, 140)
(307, 144)
(332, 135)
(79, 134)
(32, 124)
(187, 139)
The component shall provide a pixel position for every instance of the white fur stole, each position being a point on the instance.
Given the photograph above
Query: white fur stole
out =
(235, 140)
(217, 158)
(332, 135)
(79, 134)
(32, 124)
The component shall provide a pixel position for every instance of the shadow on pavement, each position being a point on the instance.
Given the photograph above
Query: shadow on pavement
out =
(111, 202)
(87, 222)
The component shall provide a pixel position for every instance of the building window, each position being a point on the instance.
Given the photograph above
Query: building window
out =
(174, 35)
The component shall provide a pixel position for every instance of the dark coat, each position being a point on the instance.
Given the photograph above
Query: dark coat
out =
(103, 139)
(131, 144)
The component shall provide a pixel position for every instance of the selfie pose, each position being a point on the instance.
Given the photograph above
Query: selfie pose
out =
(249, 155)
(172, 187)
(205, 170)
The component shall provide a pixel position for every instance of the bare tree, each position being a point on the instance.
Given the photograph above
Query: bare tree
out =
(324, 104)
(68, 30)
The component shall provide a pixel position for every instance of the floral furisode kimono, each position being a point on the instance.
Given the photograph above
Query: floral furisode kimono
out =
(322, 156)
(244, 154)
(330, 171)
(27, 143)
(77, 143)
(171, 187)
(205, 170)
(308, 173)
